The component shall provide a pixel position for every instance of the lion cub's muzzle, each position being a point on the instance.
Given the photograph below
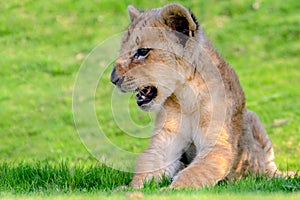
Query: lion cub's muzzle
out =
(145, 94)
(115, 79)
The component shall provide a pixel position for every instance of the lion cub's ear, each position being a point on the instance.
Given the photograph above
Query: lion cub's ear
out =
(133, 12)
(179, 19)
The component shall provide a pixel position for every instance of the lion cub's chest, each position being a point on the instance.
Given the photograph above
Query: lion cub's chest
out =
(190, 131)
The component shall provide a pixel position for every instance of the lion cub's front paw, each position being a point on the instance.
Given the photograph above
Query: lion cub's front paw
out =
(180, 182)
(187, 180)
(137, 184)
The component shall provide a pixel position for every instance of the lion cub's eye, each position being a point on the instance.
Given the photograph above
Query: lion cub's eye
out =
(142, 52)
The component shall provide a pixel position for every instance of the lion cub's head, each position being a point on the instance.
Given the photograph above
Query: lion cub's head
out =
(153, 58)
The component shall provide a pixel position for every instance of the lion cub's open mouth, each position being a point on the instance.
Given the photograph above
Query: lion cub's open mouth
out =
(145, 95)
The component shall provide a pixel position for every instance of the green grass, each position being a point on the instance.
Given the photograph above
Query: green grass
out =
(41, 46)
(45, 178)
(60, 178)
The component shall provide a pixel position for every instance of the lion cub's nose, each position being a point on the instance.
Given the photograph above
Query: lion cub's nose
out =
(114, 77)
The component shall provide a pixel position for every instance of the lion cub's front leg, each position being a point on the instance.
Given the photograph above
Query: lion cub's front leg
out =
(161, 158)
(163, 155)
(208, 167)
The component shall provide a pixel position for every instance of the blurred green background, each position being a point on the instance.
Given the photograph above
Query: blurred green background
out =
(43, 44)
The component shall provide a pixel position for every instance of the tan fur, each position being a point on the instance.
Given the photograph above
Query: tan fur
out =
(200, 105)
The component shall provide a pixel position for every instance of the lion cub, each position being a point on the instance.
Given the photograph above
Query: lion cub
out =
(203, 131)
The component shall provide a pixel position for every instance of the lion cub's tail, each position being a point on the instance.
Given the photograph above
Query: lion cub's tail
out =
(290, 174)
(260, 135)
